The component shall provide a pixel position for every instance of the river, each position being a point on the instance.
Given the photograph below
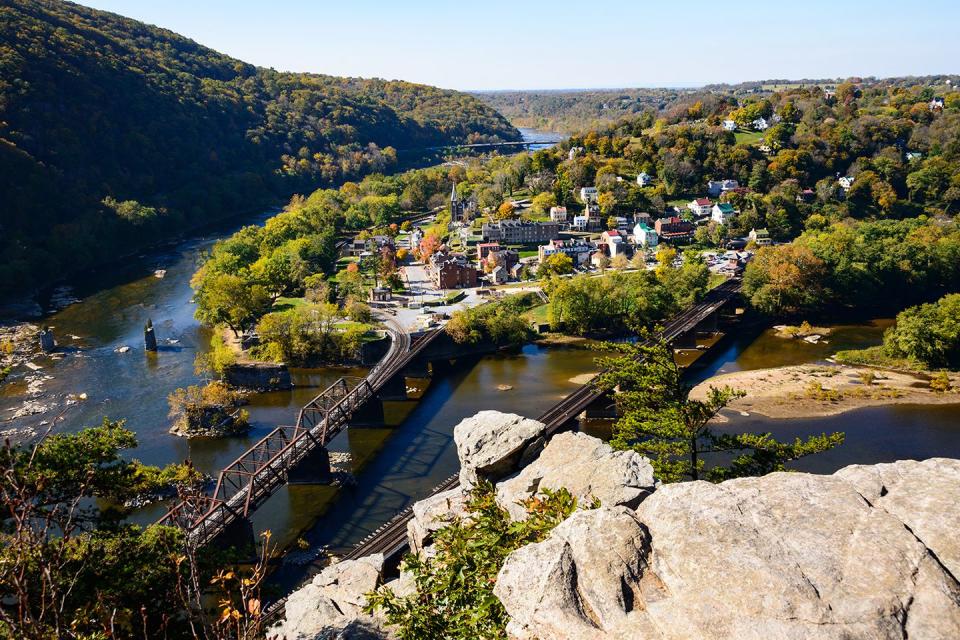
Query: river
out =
(393, 466)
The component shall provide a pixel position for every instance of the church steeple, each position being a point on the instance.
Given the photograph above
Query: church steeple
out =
(453, 194)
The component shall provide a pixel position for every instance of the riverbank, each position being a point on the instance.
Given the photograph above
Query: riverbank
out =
(808, 391)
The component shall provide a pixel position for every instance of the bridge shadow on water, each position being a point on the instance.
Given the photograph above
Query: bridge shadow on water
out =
(421, 452)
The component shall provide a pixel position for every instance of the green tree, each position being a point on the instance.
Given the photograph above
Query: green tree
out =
(454, 597)
(223, 298)
(786, 279)
(661, 421)
(556, 264)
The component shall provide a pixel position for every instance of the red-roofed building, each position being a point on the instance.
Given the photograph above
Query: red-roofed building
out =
(700, 207)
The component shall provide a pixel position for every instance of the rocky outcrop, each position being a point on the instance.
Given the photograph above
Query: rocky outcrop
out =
(434, 513)
(585, 466)
(865, 553)
(492, 445)
(330, 607)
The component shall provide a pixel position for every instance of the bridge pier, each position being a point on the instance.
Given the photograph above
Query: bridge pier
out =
(395, 388)
(709, 325)
(313, 469)
(238, 535)
(686, 340)
(370, 414)
(439, 367)
(417, 369)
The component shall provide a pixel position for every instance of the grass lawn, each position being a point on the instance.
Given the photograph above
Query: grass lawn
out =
(716, 279)
(285, 304)
(748, 137)
(528, 253)
(539, 314)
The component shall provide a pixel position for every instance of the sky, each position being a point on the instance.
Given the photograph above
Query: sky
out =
(534, 44)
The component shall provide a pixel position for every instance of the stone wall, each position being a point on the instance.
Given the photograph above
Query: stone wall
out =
(259, 376)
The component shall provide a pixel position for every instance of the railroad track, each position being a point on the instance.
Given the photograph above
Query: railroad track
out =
(391, 538)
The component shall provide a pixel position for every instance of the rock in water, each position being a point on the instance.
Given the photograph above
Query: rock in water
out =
(587, 467)
(492, 445)
(869, 552)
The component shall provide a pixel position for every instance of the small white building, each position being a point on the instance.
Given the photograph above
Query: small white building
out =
(588, 194)
(644, 179)
(730, 125)
(718, 187)
(700, 206)
(580, 223)
(760, 237)
(574, 152)
(846, 182)
(614, 241)
(936, 104)
(558, 214)
(644, 236)
(723, 213)
(760, 124)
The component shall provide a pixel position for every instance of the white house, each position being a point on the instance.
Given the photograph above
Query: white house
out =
(729, 125)
(588, 194)
(558, 214)
(574, 152)
(936, 104)
(722, 213)
(700, 206)
(846, 182)
(760, 124)
(760, 237)
(614, 241)
(717, 187)
(622, 223)
(580, 223)
(644, 236)
(644, 179)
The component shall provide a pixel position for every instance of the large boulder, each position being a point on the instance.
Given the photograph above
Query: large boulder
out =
(587, 467)
(865, 553)
(492, 445)
(434, 513)
(330, 607)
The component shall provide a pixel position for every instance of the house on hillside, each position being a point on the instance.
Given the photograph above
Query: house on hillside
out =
(644, 179)
(760, 124)
(722, 213)
(558, 214)
(936, 104)
(644, 236)
(760, 237)
(729, 125)
(718, 187)
(700, 206)
(846, 182)
(580, 223)
(588, 194)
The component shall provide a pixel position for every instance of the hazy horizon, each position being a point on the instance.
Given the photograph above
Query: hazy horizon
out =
(562, 45)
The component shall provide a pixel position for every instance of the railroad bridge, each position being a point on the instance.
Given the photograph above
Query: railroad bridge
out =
(298, 453)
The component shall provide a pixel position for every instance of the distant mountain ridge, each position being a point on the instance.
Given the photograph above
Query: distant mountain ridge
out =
(113, 132)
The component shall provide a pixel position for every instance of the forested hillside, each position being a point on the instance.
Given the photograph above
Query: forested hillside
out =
(113, 132)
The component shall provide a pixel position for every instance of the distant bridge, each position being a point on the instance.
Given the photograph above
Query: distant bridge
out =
(489, 145)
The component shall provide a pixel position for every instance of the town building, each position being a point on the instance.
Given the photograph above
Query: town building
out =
(360, 244)
(452, 270)
(716, 188)
(580, 223)
(644, 179)
(578, 250)
(519, 231)
(674, 229)
(700, 206)
(729, 125)
(760, 237)
(723, 213)
(499, 275)
(643, 217)
(588, 194)
(644, 236)
(501, 257)
(486, 248)
(615, 242)
(458, 210)
(558, 214)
